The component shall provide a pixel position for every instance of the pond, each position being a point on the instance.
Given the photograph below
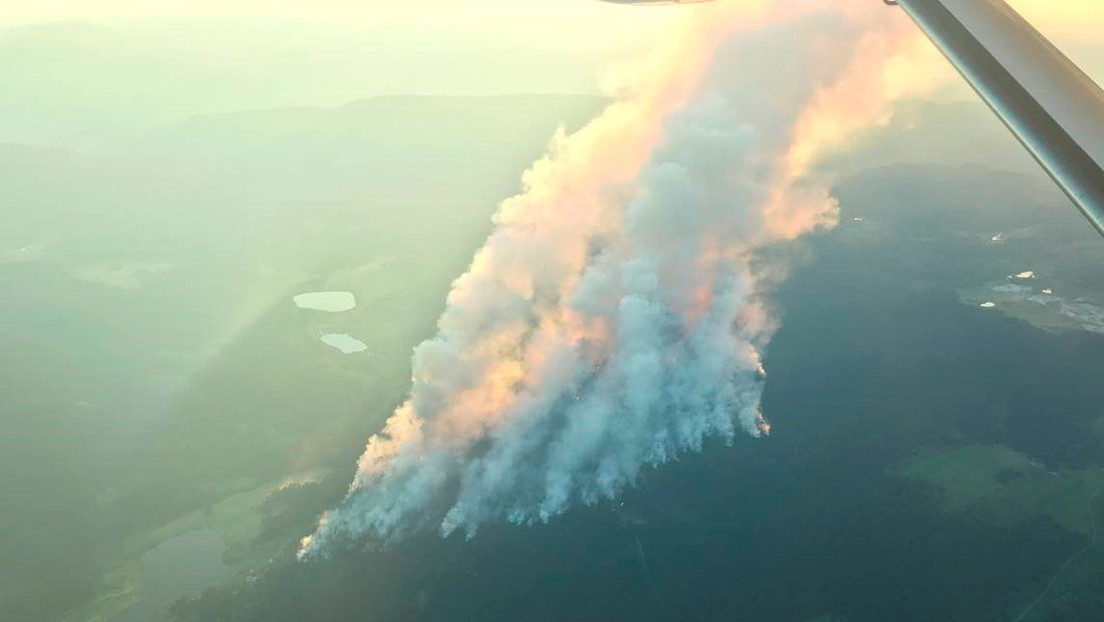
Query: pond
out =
(333, 302)
(346, 343)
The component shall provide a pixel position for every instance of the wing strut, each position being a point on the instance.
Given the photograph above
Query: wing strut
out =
(1048, 103)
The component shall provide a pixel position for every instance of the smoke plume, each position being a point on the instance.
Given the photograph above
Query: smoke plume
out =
(614, 319)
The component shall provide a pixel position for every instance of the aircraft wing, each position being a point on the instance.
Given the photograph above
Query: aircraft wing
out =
(1051, 106)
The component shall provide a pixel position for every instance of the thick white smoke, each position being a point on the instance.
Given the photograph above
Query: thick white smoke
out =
(614, 320)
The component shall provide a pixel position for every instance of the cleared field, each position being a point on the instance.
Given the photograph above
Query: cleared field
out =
(999, 486)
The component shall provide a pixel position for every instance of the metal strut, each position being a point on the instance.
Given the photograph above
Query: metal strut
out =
(1053, 108)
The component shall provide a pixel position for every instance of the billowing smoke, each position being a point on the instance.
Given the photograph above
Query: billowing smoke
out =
(615, 317)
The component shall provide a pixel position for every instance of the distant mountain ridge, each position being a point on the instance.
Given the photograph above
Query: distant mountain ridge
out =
(380, 117)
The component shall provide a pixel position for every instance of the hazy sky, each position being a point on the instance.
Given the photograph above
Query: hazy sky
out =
(1068, 17)
(547, 18)
(89, 66)
(323, 9)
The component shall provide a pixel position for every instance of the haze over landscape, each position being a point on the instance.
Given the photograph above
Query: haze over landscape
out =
(782, 325)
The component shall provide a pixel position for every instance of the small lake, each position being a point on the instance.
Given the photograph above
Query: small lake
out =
(333, 302)
(346, 343)
(184, 565)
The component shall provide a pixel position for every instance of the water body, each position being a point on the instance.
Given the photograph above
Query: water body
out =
(332, 302)
(346, 343)
(186, 564)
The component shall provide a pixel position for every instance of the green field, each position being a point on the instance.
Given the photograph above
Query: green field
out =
(1002, 487)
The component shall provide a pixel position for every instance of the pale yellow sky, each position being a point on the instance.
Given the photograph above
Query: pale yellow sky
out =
(584, 25)
(91, 62)
(1081, 20)
(154, 61)
(545, 15)
(1065, 18)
